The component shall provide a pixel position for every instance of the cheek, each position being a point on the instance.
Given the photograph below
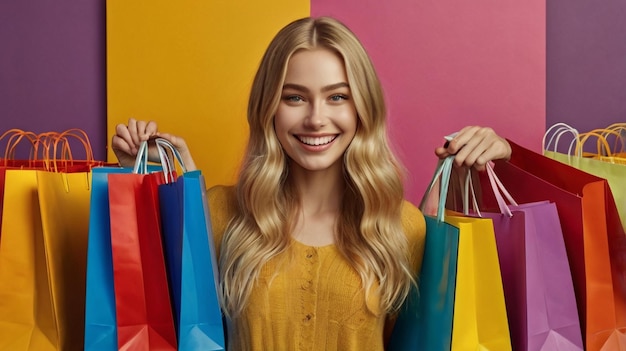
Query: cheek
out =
(284, 118)
(350, 122)
(281, 128)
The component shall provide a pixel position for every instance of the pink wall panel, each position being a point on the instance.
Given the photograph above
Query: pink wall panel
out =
(447, 64)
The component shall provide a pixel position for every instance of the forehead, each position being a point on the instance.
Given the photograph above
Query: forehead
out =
(313, 66)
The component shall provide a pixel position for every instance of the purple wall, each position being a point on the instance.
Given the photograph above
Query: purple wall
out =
(586, 63)
(52, 67)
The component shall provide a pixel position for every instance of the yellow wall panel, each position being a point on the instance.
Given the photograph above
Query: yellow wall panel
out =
(189, 65)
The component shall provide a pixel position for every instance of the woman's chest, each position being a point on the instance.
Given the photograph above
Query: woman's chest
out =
(312, 285)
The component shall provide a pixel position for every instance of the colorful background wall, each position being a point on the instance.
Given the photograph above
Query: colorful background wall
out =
(517, 67)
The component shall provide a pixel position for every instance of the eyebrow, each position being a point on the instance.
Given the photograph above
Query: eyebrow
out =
(324, 89)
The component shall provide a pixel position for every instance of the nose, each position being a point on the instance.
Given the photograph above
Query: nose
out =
(315, 118)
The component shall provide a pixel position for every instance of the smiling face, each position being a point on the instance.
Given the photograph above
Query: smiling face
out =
(316, 117)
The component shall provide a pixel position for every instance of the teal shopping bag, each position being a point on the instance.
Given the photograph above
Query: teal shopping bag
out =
(425, 320)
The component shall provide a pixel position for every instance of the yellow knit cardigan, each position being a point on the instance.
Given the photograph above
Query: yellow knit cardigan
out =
(310, 298)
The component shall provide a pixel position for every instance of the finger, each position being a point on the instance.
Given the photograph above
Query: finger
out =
(123, 140)
(178, 142)
(479, 155)
(474, 143)
(484, 147)
(134, 132)
(442, 152)
(459, 141)
(151, 129)
(141, 130)
(119, 143)
(467, 154)
(146, 130)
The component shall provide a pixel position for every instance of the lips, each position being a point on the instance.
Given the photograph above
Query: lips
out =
(316, 141)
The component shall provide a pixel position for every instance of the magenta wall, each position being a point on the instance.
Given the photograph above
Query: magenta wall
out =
(448, 64)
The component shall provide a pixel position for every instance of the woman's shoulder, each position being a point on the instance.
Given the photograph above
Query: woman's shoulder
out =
(222, 201)
(414, 226)
(413, 222)
(221, 195)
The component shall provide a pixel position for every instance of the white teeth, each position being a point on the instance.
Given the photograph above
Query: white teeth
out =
(317, 141)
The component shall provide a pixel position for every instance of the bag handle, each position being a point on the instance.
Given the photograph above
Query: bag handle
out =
(502, 195)
(167, 163)
(79, 135)
(578, 140)
(15, 136)
(442, 174)
(558, 130)
(602, 148)
(163, 146)
(619, 130)
(602, 143)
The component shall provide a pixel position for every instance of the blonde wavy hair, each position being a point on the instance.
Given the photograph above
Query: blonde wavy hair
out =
(370, 233)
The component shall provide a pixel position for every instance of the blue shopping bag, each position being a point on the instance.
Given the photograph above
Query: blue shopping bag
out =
(191, 263)
(425, 320)
(100, 326)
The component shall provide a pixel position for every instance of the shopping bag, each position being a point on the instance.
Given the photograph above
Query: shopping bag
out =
(44, 234)
(425, 319)
(536, 276)
(143, 307)
(593, 235)
(9, 140)
(64, 192)
(64, 205)
(478, 315)
(480, 319)
(100, 321)
(191, 258)
(607, 167)
(27, 320)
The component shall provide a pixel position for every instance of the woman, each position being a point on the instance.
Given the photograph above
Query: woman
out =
(317, 246)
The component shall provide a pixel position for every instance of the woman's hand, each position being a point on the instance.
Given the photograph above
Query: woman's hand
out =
(475, 146)
(127, 139)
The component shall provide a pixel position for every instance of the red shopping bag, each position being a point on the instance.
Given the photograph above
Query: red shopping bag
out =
(143, 306)
(593, 235)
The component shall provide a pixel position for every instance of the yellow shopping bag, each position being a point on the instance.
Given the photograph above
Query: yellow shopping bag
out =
(64, 206)
(480, 320)
(26, 315)
(43, 252)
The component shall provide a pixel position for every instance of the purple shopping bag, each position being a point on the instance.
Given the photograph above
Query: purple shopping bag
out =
(536, 276)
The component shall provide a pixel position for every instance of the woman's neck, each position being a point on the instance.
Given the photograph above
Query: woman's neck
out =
(320, 195)
(319, 191)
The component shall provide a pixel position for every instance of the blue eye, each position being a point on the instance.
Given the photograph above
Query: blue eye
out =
(293, 98)
(338, 97)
